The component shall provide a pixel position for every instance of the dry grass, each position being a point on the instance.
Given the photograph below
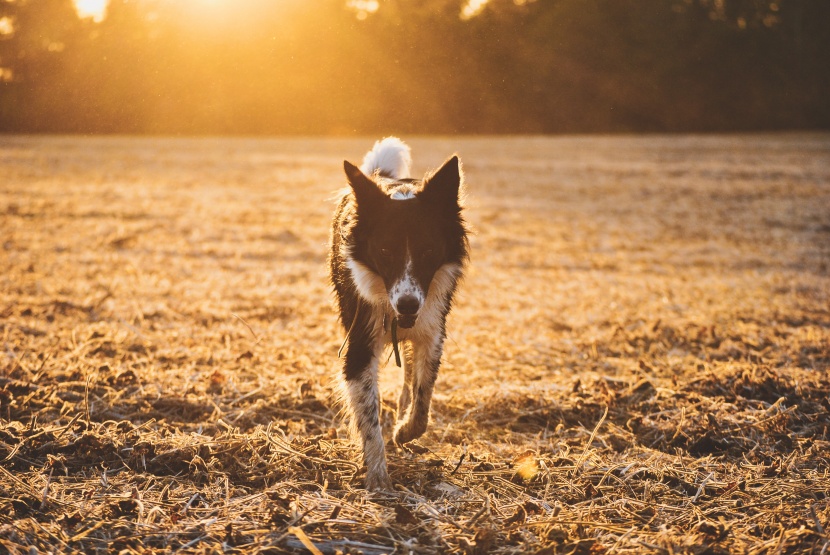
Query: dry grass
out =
(638, 361)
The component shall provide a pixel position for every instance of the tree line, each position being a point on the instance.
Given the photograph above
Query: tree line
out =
(345, 67)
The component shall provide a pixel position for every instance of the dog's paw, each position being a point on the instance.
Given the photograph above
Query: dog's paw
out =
(378, 481)
(408, 431)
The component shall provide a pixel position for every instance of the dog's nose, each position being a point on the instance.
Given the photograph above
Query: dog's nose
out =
(408, 305)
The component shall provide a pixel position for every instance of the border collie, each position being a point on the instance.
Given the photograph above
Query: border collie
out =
(398, 250)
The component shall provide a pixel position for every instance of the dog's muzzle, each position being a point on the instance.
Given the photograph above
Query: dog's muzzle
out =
(407, 308)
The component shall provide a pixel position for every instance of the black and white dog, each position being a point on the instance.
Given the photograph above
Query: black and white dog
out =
(398, 250)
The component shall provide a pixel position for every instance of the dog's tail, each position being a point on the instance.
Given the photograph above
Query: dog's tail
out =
(390, 158)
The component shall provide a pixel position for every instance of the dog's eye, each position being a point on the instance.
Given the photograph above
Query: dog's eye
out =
(385, 253)
(427, 253)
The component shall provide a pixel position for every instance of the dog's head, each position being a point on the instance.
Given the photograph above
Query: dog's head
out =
(404, 237)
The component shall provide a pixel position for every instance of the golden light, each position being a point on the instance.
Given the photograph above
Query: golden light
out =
(527, 465)
(6, 26)
(473, 8)
(219, 16)
(96, 9)
(363, 8)
(212, 12)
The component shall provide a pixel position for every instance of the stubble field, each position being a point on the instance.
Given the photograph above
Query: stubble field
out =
(637, 362)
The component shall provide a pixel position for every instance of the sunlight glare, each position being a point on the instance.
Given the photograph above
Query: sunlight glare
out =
(363, 8)
(6, 26)
(96, 9)
(473, 8)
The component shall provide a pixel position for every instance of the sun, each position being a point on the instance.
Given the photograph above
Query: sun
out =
(96, 9)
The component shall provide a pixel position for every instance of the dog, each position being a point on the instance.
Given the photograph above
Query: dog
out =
(398, 251)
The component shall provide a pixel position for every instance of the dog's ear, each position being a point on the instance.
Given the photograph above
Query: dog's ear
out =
(443, 186)
(365, 190)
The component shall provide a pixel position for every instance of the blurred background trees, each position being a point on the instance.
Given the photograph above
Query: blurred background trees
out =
(436, 66)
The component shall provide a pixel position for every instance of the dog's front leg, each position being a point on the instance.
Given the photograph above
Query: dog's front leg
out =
(361, 373)
(425, 359)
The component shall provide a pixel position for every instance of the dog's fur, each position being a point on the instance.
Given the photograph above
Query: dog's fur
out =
(398, 250)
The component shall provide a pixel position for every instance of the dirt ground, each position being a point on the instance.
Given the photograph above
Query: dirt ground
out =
(637, 362)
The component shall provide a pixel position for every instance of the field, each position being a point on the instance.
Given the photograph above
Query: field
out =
(637, 362)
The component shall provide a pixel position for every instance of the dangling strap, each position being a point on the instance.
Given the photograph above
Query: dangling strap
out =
(395, 342)
(394, 337)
